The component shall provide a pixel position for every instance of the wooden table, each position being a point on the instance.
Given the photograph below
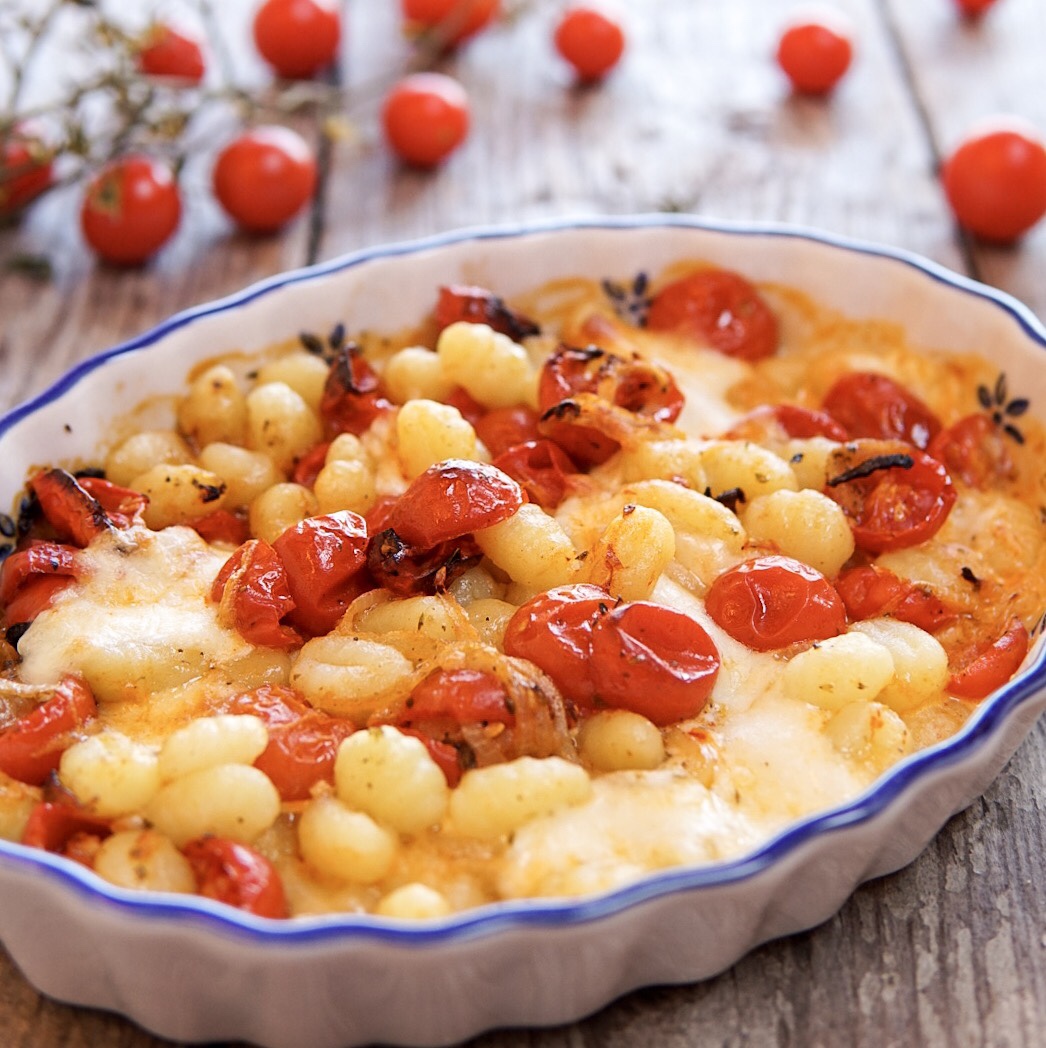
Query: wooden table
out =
(952, 950)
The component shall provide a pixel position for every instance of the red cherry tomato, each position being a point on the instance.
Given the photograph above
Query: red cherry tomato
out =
(254, 593)
(264, 178)
(652, 660)
(454, 21)
(61, 828)
(26, 170)
(123, 506)
(974, 451)
(31, 747)
(425, 117)
(871, 591)
(236, 875)
(353, 396)
(814, 55)
(324, 557)
(590, 40)
(297, 38)
(477, 305)
(457, 697)
(30, 578)
(308, 467)
(995, 181)
(973, 8)
(74, 514)
(720, 309)
(785, 422)
(130, 209)
(543, 469)
(984, 668)
(232, 529)
(772, 602)
(168, 52)
(451, 499)
(894, 495)
(554, 631)
(504, 428)
(869, 405)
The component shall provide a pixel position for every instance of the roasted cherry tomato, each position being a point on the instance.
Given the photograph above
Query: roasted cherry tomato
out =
(504, 428)
(353, 396)
(543, 468)
(995, 181)
(452, 21)
(308, 467)
(30, 577)
(236, 875)
(974, 451)
(220, 525)
(412, 571)
(772, 602)
(785, 422)
(984, 668)
(26, 170)
(75, 514)
(297, 38)
(123, 506)
(168, 52)
(477, 305)
(590, 40)
(871, 591)
(717, 308)
(130, 209)
(325, 558)
(425, 117)
(554, 631)
(815, 55)
(254, 593)
(869, 405)
(31, 747)
(894, 495)
(444, 754)
(457, 697)
(451, 499)
(65, 830)
(652, 660)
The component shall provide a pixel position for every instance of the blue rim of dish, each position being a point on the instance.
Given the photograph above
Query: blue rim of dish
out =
(544, 914)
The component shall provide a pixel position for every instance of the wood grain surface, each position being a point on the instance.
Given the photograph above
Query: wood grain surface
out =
(952, 950)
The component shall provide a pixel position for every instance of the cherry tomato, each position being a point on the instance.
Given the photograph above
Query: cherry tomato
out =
(255, 594)
(130, 209)
(785, 422)
(297, 38)
(232, 873)
(974, 451)
(410, 571)
(554, 631)
(652, 660)
(814, 55)
(471, 409)
(168, 52)
(26, 170)
(451, 499)
(973, 8)
(308, 467)
(426, 117)
(453, 20)
(774, 601)
(265, 177)
(984, 668)
(276, 704)
(74, 514)
(720, 309)
(869, 405)
(353, 396)
(590, 40)
(324, 557)
(30, 578)
(445, 755)
(123, 506)
(995, 180)
(894, 495)
(31, 747)
(461, 696)
(504, 428)
(871, 591)
(220, 525)
(59, 828)
(543, 469)
(477, 305)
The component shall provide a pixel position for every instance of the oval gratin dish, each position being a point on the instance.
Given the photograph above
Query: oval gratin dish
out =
(194, 971)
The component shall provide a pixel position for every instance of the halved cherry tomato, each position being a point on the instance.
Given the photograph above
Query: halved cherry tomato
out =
(785, 422)
(31, 747)
(718, 308)
(542, 467)
(461, 696)
(324, 557)
(772, 602)
(353, 396)
(554, 631)
(982, 669)
(652, 660)
(503, 428)
(451, 499)
(254, 593)
(75, 514)
(308, 467)
(31, 577)
(974, 451)
(220, 525)
(60, 828)
(477, 305)
(871, 591)
(869, 405)
(894, 495)
(232, 873)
